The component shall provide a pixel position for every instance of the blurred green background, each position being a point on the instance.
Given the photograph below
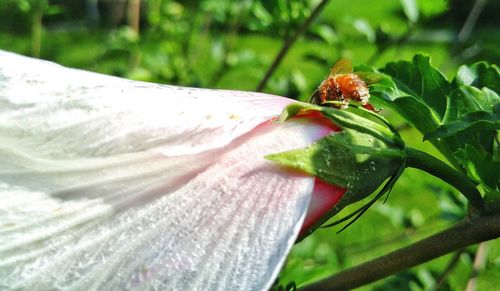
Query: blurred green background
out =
(231, 44)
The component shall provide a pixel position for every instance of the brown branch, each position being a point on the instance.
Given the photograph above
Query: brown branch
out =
(465, 233)
(479, 263)
(134, 14)
(288, 44)
(133, 18)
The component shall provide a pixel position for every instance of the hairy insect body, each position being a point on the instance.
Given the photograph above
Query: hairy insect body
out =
(340, 87)
(353, 88)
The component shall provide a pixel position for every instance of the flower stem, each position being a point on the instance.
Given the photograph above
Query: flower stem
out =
(423, 161)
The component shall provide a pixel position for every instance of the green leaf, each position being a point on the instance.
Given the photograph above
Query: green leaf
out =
(477, 121)
(450, 115)
(468, 99)
(417, 113)
(479, 75)
(489, 278)
(480, 165)
(415, 90)
(432, 7)
(421, 81)
(472, 117)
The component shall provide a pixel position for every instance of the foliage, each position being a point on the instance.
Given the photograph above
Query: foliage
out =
(461, 118)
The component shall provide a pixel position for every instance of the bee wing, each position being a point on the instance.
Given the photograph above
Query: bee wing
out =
(369, 77)
(316, 97)
(109, 184)
(342, 66)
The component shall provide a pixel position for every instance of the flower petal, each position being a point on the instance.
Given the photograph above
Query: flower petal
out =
(324, 197)
(99, 189)
(48, 103)
(228, 228)
(93, 131)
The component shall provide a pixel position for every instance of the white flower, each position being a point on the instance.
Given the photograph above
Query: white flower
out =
(110, 184)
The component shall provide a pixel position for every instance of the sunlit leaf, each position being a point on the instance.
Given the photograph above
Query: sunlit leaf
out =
(468, 99)
(479, 75)
(422, 81)
(479, 121)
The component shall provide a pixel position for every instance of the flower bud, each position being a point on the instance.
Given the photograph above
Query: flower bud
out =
(359, 158)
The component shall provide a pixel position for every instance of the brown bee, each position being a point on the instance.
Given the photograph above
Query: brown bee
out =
(342, 86)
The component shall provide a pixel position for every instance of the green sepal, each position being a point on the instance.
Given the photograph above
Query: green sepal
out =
(344, 119)
(359, 158)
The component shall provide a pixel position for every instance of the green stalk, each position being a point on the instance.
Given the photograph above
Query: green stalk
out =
(423, 161)
(36, 30)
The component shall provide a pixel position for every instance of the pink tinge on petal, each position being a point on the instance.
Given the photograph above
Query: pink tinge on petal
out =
(318, 118)
(324, 197)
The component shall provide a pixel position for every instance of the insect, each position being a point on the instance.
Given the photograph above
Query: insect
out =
(343, 85)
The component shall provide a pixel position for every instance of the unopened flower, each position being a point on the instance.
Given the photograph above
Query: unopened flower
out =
(109, 184)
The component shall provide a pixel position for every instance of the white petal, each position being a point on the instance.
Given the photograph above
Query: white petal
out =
(93, 131)
(100, 191)
(228, 228)
(42, 105)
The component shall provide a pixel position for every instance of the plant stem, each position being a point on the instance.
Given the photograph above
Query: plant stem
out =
(134, 14)
(479, 263)
(423, 161)
(133, 18)
(471, 21)
(465, 233)
(288, 44)
(36, 29)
